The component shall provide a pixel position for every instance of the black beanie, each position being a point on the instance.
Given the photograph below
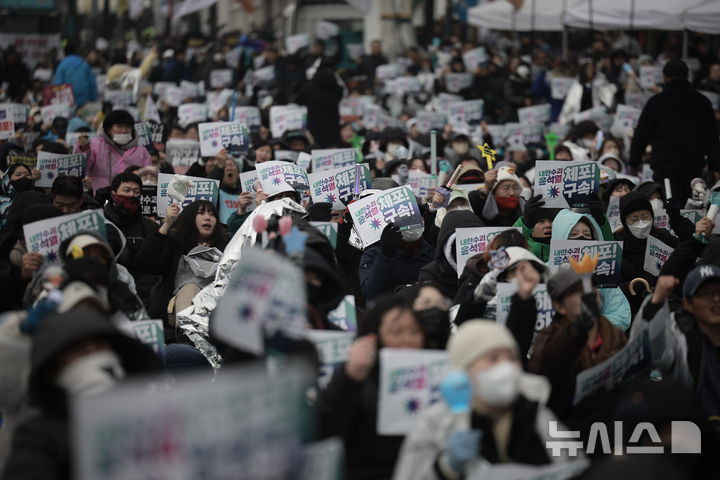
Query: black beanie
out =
(117, 117)
(632, 202)
(541, 214)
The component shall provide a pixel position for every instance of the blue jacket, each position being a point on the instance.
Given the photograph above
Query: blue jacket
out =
(75, 71)
(615, 306)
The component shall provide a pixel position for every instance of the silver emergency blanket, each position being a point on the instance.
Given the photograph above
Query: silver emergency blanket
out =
(199, 266)
(194, 321)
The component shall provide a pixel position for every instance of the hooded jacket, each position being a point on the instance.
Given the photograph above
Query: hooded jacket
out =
(615, 306)
(486, 208)
(105, 158)
(41, 444)
(538, 248)
(443, 271)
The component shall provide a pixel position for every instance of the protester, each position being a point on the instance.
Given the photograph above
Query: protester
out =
(73, 69)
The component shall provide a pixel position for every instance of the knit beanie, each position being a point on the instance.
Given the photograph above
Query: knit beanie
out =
(475, 338)
(117, 117)
(506, 173)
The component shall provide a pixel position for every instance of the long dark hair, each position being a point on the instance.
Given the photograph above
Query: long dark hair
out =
(185, 231)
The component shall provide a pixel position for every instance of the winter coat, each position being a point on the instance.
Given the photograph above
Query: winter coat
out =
(382, 274)
(559, 352)
(615, 306)
(322, 100)
(680, 125)
(539, 249)
(423, 455)
(603, 95)
(14, 376)
(105, 158)
(443, 270)
(486, 208)
(74, 70)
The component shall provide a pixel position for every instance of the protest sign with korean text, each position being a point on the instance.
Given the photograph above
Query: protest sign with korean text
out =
(608, 269)
(427, 121)
(455, 82)
(287, 117)
(371, 214)
(182, 152)
(148, 201)
(15, 112)
(329, 229)
(535, 114)
(345, 315)
(149, 332)
(566, 184)
(7, 127)
(52, 165)
(277, 177)
(202, 189)
(51, 112)
(63, 93)
(559, 87)
(473, 240)
(149, 133)
(227, 204)
(247, 179)
(332, 347)
(613, 213)
(249, 116)
(119, 97)
(409, 385)
(332, 158)
(210, 143)
(473, 58)
(543, 303)
(469, 112)
(27, 159)
(650, 76)
(421, 183)
(234, 137)
(336, 186)
(626, 118)
(221, 78)
(191, 113)
(352, 108)
(693, 215)
(45, 236)
(656, 254)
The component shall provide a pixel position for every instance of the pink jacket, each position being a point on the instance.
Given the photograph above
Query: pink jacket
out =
(105, 160)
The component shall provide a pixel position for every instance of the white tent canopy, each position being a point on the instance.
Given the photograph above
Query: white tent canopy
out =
(539, 15)
(630, 14)
(704, 18)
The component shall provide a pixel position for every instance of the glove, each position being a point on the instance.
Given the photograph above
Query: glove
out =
(462, 447)
(320, 212)
(390, 239)
(532, 206)
(589, 311)
(596, 209)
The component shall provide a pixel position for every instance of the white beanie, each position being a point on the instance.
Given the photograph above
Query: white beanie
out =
(475, 338)
(506, 173)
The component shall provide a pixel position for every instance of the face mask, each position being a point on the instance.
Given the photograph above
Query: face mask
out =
(122, 138)
(657, 204)
(412, 235)
(22, 184)
(526, 193)
(392, 149)
(507, 203)
(126, 203)
(92, 373)
(401, 175)
(498, 385)
(461, 148)
(640, 229)
(587, 143)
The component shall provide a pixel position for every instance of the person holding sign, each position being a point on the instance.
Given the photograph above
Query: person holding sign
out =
(578, 338)
(536, 224)
(499, 203)
(507, 420)
(160, 254)
(115, 149)
(348, 406)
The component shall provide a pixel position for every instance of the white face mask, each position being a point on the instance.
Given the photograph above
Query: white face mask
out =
(641, 229)
(392, 149)
(657, 204)
(498, 386)
(92, 373)
(526, 193)
(412, 235)
(461, 148)
(122, 138)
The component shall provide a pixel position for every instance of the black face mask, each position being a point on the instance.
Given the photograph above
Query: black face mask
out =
(22, 184)
(436, 326)
(314, 293)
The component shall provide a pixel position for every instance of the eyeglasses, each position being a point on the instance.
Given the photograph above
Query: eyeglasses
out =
(509, 189)
(645, 217)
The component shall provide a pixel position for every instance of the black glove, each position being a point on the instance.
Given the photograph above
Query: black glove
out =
(320, 212)
(390, 239)
(672, 207)
(596, 209)
(589, 311)
(532, 207)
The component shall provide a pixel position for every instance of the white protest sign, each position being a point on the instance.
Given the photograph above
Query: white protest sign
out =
(650, 76)
(210, 144)
(277, 177)
(293, 43)
(473, 58)
(330, 230)
(455, 82)
(427, 121)
(469, 112)
(402, 85)
(566, 184)
(331, 158)
(159, 88)
(626, 118)
(287, 117)
(265, 295)
(248, 423)
(388, 71)
(634, 358)
(7, 127)
(545, 311)
(182, 152)
(608, 269)
(173, 95)
(264, 74)
(119, 97)
(325, 30)
(345, 315)
(216, 101)
(445, 99)
(247, 179)
(50, 112)
(202, 189)
(191, 113)
(559, 87)
(51, 165)
(713, 97)
(249, 116)
(353, 108)
(535, 114)
(473, 240)
(661, 219)
(371, 214)
(421, 183)
(304, 160)
(45, 236)
(656, 254)
(221, 78)
(11, 114)
(234, 137)
(336, 186)
(409, 385)
(332, 347)
(613, 213)
(191, 89)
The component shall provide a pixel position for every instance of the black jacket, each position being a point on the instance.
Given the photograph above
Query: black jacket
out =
(322, 98)
(136, 229)
(381, 274)
(679, 123)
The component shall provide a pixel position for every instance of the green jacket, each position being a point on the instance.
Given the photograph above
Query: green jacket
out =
(235, 221)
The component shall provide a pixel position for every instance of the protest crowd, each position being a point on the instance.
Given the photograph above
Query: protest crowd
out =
(271, 260)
